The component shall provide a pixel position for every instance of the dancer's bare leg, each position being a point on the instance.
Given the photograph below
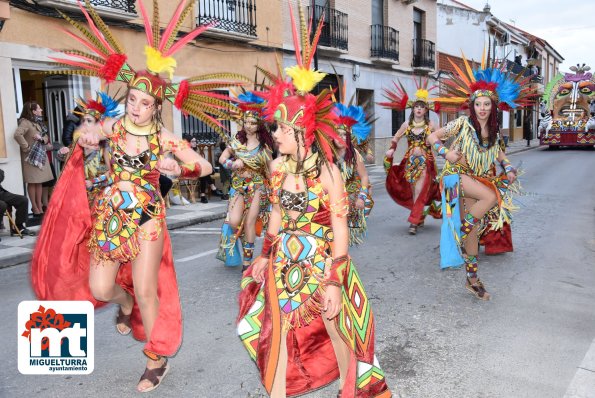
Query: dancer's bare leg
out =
(235, 210)
(145, 271)
(251, 217)
(342, 351)
(102, 282)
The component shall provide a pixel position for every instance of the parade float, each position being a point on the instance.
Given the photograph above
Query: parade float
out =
(568, 109)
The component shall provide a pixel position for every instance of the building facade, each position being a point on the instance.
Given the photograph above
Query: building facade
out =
(370, 44)
(520, 51)
(241, 39)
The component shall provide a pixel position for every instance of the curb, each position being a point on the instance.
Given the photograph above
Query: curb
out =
(23, 258)
(177, 224)
(523, 149)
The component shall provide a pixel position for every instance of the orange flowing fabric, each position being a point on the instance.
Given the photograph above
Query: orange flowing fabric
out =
(61, 259)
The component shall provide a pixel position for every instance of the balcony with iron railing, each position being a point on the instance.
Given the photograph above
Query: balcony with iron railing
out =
(123, 10)
(232, 18)
(385, 43)
(334, 33)
(526, 71)
(424, 54)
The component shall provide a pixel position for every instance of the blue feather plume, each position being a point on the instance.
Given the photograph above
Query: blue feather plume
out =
(507, 89)
(361, 129)
(110, 104)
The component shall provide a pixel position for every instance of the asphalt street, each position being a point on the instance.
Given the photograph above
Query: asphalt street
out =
(433, 338)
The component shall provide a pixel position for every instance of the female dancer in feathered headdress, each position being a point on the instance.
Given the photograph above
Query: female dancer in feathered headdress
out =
(474, 197)
(96, 160)
(353, 126)
(299, 319)
(130, 257)
(412, 183)
(248, 156)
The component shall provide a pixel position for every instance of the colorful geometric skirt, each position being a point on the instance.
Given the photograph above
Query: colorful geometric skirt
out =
(289, 302)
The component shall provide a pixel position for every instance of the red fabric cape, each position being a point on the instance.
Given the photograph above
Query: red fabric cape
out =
(498, 242)
(400, 191)
(60, 263)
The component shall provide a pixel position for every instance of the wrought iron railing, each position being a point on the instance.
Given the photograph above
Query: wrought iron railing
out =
(204, 134)
(525, 70)
(235, 16)
(424, 54)
(121, 5)
(334, 31)
(385, 42)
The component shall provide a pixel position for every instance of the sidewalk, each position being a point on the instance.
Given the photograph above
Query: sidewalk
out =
(16, 251)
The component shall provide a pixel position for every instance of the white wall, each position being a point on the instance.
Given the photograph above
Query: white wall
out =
(461, 30)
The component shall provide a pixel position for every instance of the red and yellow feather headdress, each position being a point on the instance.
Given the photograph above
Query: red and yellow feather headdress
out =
(292, 103)
(105, 58)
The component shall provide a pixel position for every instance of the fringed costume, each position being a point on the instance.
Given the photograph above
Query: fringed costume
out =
(302, 262)
(354, 126)
(246, 182)
(403, 177)
(480, 165)
(478, 159)
(112, 230)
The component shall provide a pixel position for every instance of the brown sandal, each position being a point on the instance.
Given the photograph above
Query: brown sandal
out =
(154, 376)
(477, 289)
(123, 319)
(339, 393)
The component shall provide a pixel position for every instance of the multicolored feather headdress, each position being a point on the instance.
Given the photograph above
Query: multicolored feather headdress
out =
(101, 107)
(293, 104)
(352, 116)
(398, 99)
(492, 79)
(105, 58)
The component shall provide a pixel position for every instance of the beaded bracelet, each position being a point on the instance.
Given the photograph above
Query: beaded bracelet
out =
(267, 245)
(99, 180)
(341, 207)
(227, 164)
(363, 193)
(440, 149)
(507, 166)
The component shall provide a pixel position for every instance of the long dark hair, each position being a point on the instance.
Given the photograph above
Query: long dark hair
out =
(27, 113)
(264, 136)
(349, 150)
(493, 123)
(426, 115)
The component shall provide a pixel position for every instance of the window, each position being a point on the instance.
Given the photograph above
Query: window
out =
(398, 118)
(377, 12)
(518, 118)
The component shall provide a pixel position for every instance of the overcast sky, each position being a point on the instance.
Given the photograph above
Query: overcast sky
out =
(569, 26)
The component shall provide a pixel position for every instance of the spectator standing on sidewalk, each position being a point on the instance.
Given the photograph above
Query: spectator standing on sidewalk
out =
(72, 122)
(206, 181)
(32, 137)
(19, 202)
(527, 129)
